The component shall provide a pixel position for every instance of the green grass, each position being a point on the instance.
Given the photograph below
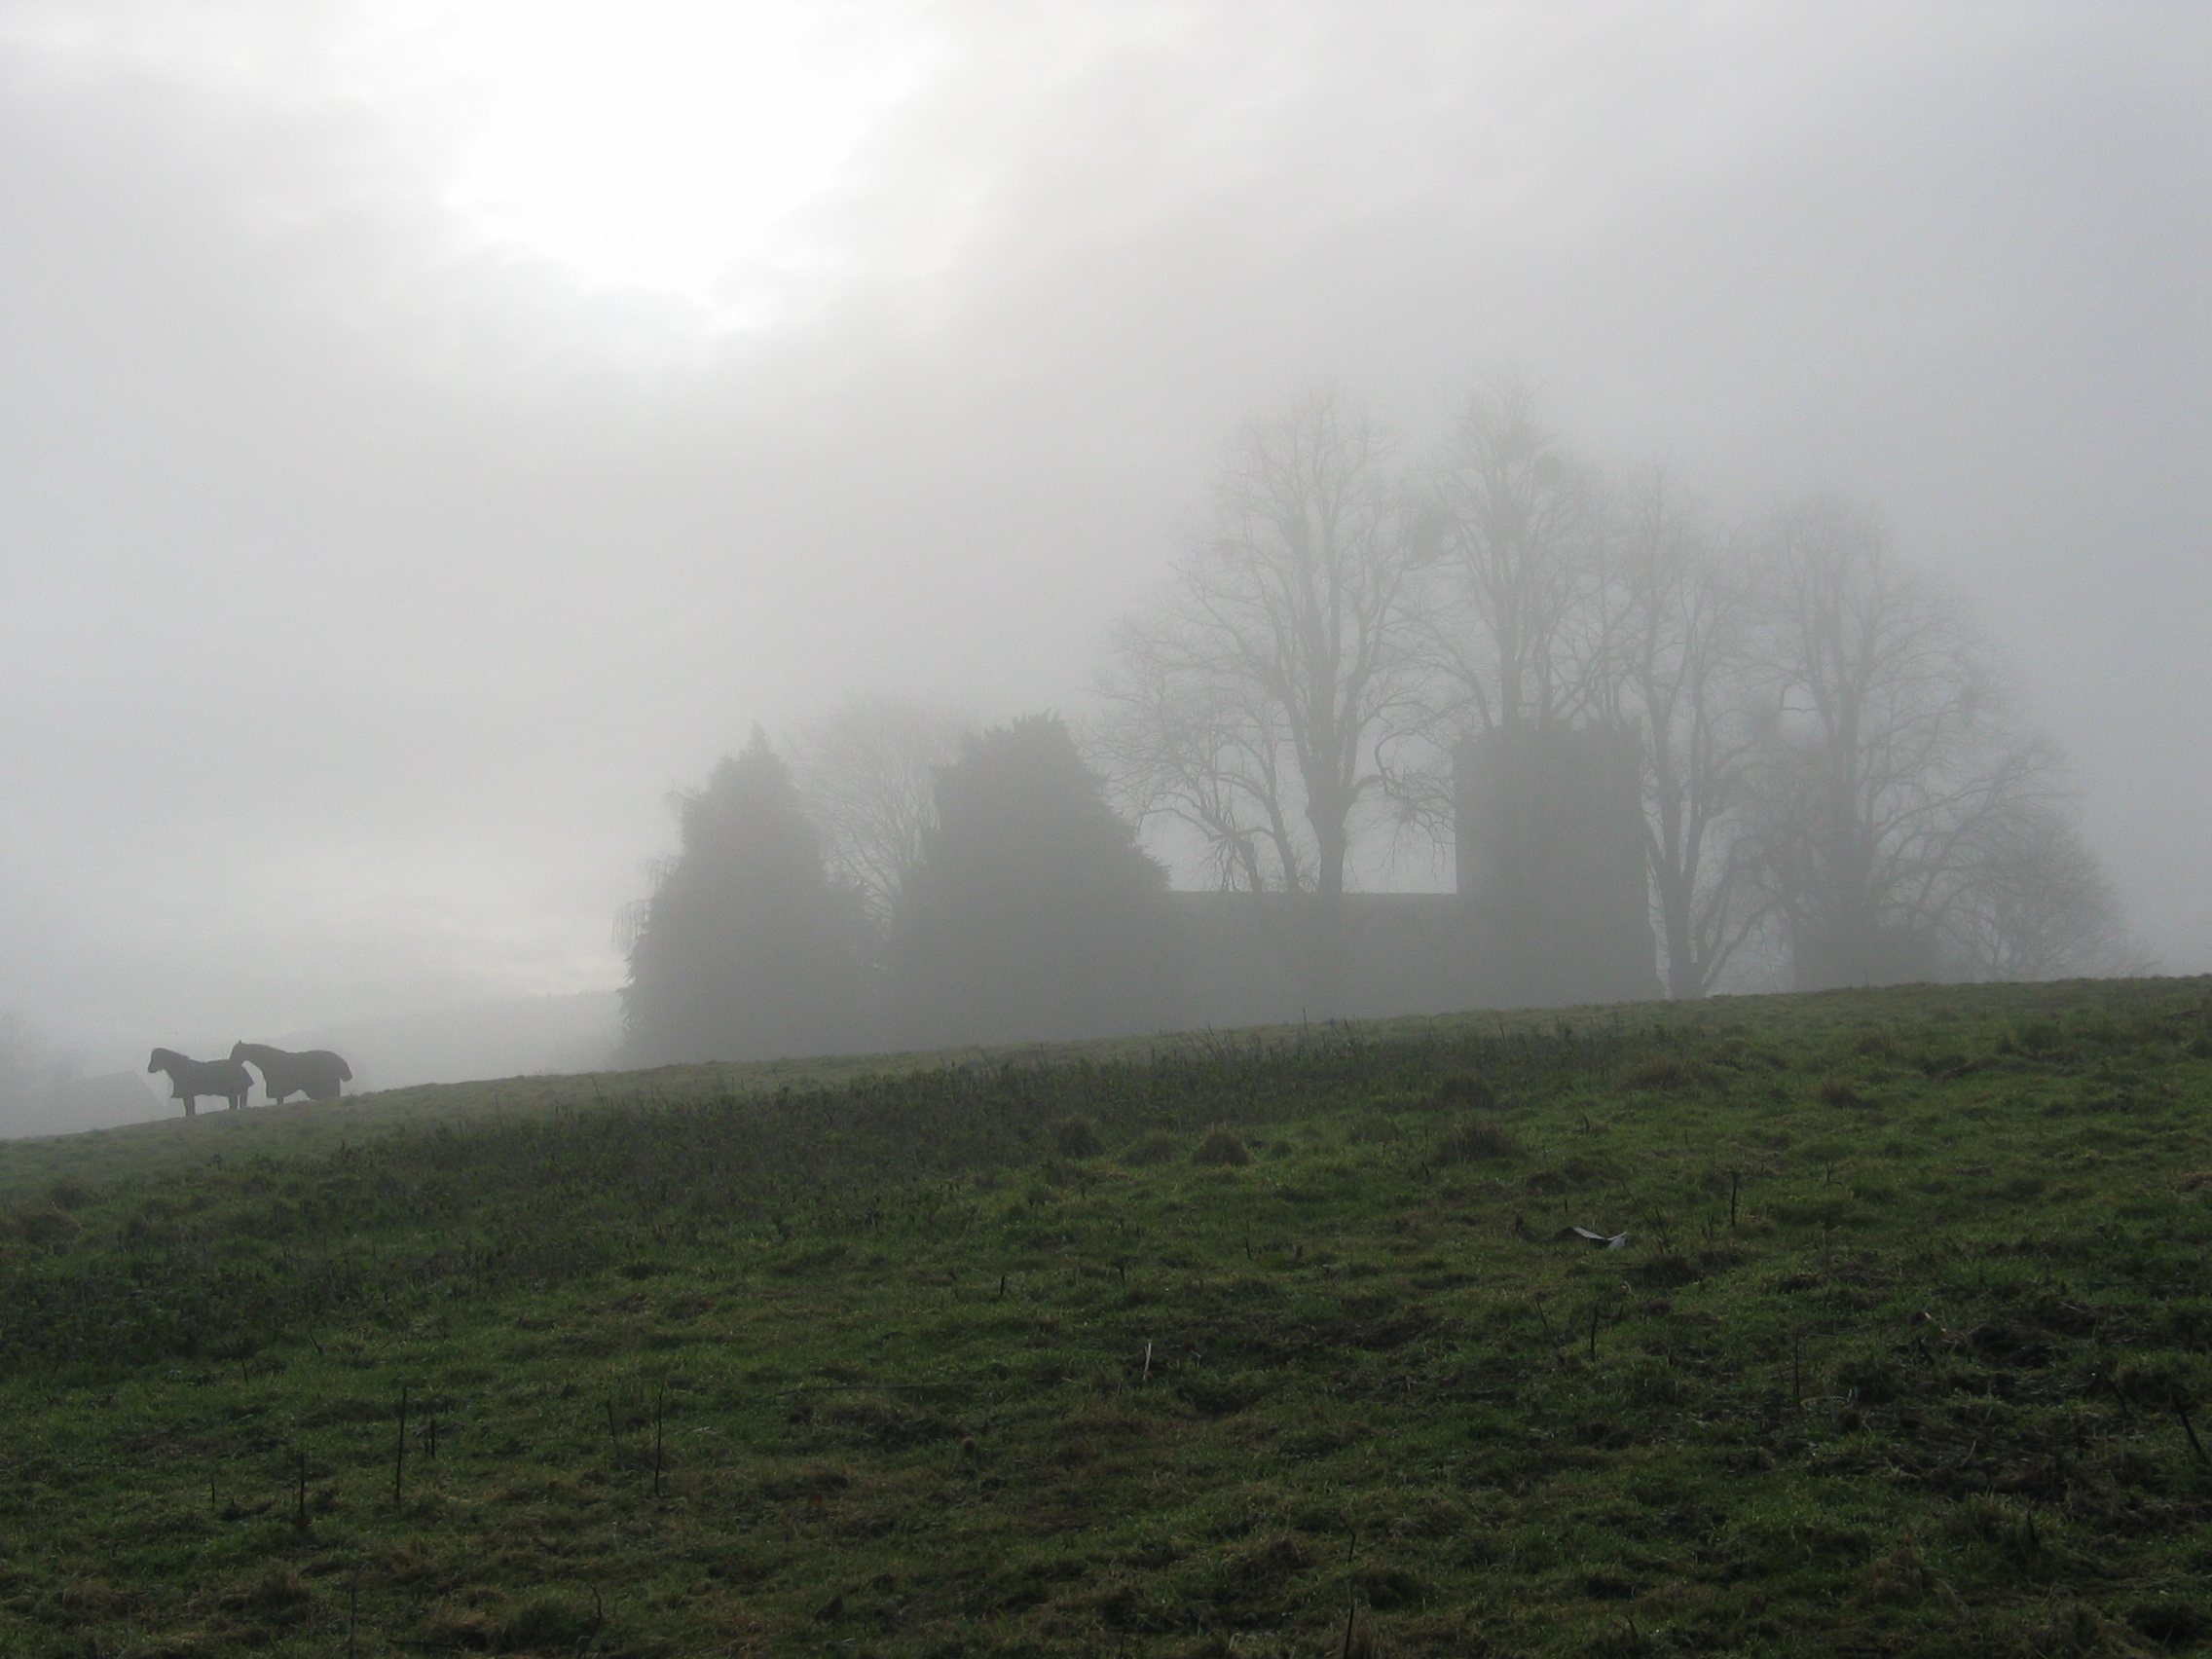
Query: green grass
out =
(1207, 1347)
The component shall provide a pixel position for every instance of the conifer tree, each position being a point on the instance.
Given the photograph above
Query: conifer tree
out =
(1032, 915)
(746, 949)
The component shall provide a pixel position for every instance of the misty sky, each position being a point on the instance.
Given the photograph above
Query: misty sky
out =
(429, 433)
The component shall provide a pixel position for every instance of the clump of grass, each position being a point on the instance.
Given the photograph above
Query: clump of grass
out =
(459, 1628)
(1158, 1146)
(1464, 1091)
(1839, 1092)
(1374, 1128)
(70, 1192)
(546, 1623)
(885, 1422)
(1360, 1641)
(44, 1226)
(92, 1597)
(1474, 1140)
(1385, 1588)
(278, 1597)
(1662, 1071)
(1898, 1578)
(1058, 1172)
(1872, 1380)
(1077, 1137)
(2160, 1382)
(2170, 1621)
(1978, 1516)
(1223, 1147)
(1668, 1272)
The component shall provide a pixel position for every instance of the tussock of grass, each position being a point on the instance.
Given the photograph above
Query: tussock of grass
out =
(1664, 1071)
(1372, 1128)
(1155, 1148)
(1463, 1091)
(1077, 1137)
(71, 1193)
(1222, 1148)
(1475, 1140)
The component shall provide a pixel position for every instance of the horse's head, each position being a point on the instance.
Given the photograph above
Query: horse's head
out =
(162, 1059)
(237, 1050)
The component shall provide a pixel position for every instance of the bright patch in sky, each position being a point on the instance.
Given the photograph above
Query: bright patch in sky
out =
(669, 147)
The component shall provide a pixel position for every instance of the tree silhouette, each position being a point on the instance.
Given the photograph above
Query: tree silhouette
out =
(1031, 914)
(746, 949)
(1684, 670)
(1253, 702)
(1894, 761)
(867, 773)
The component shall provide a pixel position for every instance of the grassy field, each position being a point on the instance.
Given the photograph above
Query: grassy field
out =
(1237, 1346)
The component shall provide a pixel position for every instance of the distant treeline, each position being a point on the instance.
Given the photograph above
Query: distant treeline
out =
(1028, 911)
(1838, 785)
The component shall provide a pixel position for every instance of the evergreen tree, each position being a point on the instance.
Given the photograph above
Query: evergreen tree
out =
(746, 949)
(1032, 913)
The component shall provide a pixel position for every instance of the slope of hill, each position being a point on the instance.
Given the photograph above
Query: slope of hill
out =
(1252, 1346)
(68, 1105)
(477, 1040)
(497, 1038)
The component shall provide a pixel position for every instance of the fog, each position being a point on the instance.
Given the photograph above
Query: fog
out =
(428, 436)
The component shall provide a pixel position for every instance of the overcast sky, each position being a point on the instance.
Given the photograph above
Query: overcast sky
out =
(429, 433)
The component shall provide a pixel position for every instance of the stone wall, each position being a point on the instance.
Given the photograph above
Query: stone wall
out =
(1553, 906)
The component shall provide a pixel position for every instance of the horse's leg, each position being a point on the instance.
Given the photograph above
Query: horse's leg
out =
(192, 1108)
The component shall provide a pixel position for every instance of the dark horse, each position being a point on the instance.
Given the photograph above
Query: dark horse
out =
(190, 1078)
(316, 1074)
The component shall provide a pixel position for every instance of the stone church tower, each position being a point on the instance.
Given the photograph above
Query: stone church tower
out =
(1549, 840)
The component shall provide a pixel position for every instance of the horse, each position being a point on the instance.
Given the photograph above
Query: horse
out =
(190, 1078)
(315, 1073)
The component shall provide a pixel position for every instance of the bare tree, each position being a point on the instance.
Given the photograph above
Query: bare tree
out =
(1517, 626)
(1683, 666)
(1203, 754)
(1255, 701)
(2036, 905)
(1893, 759)
(866, 773)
